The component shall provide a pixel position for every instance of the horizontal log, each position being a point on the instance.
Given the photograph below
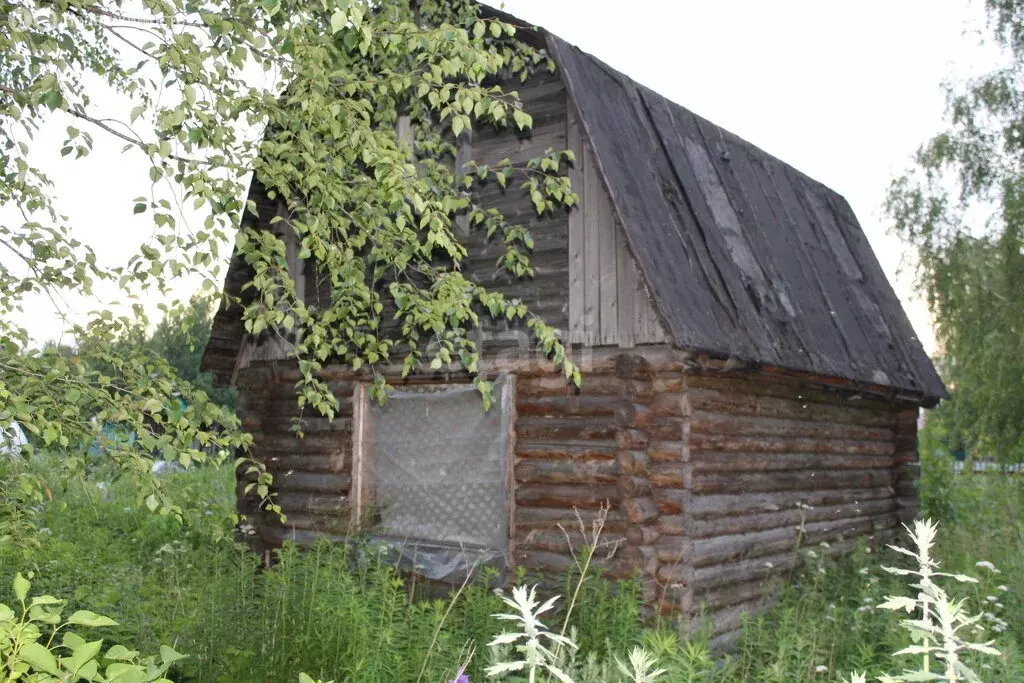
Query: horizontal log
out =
(335, 463)
(329, 525)
(666, 429)
(288, 444)
(560, 406)
(633, 415)
(576, 471)
(719, 461)
(315, 482)
(563, 541)
(314, 504)
(714, 401)
(704, 422)
(288, 408)
(670, 501)
(714, 599)
(595, 385)
(632, 462)
(551, 518)
(668, 383)
(532, 451)
(668, 474)
(790, 480)
(673, 575)
(640, 510)
(665, 451)
(552, 495)
(706, 506)
(309, 424)
(631, 486)
(775, 550)
(727, 549)
(670, 404)
(785, 444)
(736, 524)
(796, 390)
(749, 570)
(544, 430)
(631, 439)
(672, 525)
(546, 561)
(644, 535)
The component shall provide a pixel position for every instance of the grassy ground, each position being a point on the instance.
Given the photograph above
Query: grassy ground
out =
(340, 615)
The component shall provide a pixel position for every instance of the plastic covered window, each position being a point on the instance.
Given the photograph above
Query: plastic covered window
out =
(433, 476)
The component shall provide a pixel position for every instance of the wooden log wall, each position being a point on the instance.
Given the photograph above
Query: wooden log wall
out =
(766, 468)
(714, 480)
(312, 475)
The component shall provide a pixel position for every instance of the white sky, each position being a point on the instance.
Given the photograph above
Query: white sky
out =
(843, 91)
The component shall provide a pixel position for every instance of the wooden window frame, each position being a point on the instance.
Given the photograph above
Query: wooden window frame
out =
(361, 497)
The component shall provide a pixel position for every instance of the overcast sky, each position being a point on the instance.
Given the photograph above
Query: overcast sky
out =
(843, 91)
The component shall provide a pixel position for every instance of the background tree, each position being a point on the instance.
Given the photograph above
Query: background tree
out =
(180, 337)
(302, 95)
(962, 208)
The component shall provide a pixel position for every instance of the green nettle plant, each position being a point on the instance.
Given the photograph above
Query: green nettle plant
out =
(31, 651)
(939, 624)
(304, 97)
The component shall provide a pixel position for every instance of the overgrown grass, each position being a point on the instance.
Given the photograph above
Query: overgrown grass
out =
(342, 614)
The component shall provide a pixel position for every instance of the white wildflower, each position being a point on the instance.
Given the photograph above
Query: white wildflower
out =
(821, 668)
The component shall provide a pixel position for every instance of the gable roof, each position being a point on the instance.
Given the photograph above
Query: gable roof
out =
(745, 256)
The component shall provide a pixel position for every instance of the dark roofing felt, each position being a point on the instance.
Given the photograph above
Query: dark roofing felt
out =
(745, 256)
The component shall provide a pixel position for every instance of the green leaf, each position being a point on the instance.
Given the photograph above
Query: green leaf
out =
(338, 21)
(21, 586)
(168, 655)
(82, 655)
(139, 208)
(522, 119)
(86, 618)
(40, 658)
(121, 653)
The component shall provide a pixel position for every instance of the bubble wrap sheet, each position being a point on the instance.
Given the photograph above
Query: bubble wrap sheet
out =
(437, 466)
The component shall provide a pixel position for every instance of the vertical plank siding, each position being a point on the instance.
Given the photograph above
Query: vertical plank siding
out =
(609, 304)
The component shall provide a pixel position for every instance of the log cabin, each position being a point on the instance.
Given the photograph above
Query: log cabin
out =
(751, 383)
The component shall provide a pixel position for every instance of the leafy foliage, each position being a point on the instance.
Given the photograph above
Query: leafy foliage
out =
(962, 208)
(304, 97)
(29, 647)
